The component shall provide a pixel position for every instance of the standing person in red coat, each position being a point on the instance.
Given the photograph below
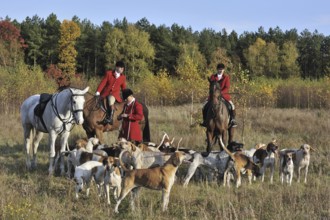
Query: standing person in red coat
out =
(132, 114)
(224, 82)
(112, 83)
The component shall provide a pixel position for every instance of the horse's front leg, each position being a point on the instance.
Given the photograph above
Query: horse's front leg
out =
(209, 138)
(64, 142)
(99, 135)
(36, 141)
(51, 143)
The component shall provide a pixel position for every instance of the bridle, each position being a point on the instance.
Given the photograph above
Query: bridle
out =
(72, 118)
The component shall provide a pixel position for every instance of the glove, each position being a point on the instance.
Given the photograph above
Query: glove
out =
(97, 94)
(124, 115)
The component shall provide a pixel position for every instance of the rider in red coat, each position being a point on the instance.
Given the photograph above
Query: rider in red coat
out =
(132, 114)
(224, 82)
(112, 83)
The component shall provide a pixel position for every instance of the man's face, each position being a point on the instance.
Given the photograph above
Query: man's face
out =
(119, 69)
(129, 98)
(220, 71)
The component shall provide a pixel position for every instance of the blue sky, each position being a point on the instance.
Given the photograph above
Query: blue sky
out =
(238, 15)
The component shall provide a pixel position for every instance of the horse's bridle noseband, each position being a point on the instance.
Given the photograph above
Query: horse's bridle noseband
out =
(75, 110)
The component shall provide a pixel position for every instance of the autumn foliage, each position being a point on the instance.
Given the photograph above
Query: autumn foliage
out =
(11, 44)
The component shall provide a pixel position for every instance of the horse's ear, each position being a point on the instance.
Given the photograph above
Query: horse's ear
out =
(133, 147)
(86, 89)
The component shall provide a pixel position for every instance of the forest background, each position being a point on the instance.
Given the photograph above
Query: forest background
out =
(164, 65)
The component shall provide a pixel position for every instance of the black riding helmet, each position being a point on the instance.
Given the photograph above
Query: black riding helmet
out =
(120, 64)
(126, 93)
(220, 66)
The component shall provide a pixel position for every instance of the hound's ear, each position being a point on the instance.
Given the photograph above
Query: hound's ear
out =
(105, 161)
(176, 160)
(133, 147)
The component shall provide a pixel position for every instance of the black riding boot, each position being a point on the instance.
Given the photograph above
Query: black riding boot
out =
(203, 124)
(109, 116)
(233, 122)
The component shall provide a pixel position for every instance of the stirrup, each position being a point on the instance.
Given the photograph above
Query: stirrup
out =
(107, 120)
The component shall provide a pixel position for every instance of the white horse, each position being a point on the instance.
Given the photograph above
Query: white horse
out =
(63, 110)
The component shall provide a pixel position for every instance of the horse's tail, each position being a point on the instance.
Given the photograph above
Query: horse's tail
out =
(146, 129)
(226, 149)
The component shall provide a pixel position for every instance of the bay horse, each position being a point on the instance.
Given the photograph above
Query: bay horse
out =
(94, 113)
(63, 110)
(217, 119)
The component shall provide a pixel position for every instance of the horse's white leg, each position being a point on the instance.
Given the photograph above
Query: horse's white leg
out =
(27, 144)
(64, 141)
(36, 140)
(52, 138)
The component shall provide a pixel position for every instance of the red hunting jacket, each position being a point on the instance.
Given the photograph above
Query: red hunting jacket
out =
(224, 85)
(130, 126)
(112, 86)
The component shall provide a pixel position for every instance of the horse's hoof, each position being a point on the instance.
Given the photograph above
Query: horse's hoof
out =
(205, 154)
(33, 166)
(28, 166)
(50, 173)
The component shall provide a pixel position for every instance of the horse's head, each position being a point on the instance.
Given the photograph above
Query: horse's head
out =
(77, 104)
(215, 92)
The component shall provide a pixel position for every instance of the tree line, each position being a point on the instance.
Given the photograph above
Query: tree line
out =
(164, 65)
(79, 46)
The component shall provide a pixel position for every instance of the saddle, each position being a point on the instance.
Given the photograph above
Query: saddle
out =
(40, 108)
(105, 105)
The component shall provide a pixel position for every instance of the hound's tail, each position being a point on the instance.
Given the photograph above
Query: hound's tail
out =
(121, 162)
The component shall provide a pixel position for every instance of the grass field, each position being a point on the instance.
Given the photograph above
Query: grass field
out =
(34, 195)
